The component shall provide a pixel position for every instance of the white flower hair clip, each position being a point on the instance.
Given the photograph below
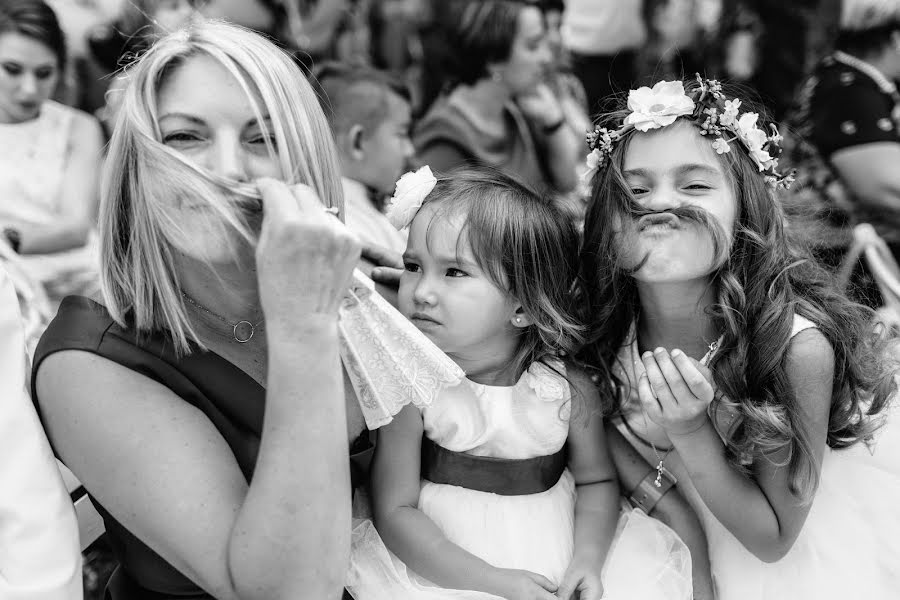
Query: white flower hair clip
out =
(412, 189)
(705, 106)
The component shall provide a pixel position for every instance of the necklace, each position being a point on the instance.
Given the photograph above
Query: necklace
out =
(242, 331)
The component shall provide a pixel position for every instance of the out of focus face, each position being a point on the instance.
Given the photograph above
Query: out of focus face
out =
(171, 15)
(388, 150)
(29, 72)
(206, 116)
(529, 55)
(675, 167)
(251, 14)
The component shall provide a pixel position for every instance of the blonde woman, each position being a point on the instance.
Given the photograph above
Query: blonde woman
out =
(203, 405)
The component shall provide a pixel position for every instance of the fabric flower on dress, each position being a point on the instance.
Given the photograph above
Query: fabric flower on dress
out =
(412, 189)
(548, 383)
(659, 106)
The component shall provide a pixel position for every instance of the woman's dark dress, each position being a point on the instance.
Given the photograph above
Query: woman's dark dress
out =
(232, 400)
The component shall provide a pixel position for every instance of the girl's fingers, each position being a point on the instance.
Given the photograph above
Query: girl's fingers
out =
(542, 581)
(648, 399)
(680, 390)
(567, 587)
(693, 377)
(658, 382)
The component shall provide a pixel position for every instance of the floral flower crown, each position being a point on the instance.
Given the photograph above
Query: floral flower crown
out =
(708, 108)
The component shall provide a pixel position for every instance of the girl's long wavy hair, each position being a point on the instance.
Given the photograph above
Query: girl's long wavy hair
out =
(762, 280)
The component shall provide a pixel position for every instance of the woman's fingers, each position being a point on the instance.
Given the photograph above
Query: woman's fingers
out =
(382, 257)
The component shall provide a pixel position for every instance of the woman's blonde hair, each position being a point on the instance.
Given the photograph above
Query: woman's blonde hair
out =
(139, 228)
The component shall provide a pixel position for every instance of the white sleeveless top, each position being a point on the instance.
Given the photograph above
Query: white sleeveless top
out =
(33, 158)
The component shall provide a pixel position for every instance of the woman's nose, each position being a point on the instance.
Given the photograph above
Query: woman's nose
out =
(28, 85)
(228, 159)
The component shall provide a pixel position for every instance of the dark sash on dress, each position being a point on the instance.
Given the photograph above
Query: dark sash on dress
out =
(503, 476)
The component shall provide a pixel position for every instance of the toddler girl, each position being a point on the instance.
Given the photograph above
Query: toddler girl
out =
(502, 486)
(737, 369)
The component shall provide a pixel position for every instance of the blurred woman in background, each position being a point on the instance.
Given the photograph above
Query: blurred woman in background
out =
(500, 109)
(49, 156)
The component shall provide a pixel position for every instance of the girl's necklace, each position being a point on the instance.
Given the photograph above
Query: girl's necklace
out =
(242, 331)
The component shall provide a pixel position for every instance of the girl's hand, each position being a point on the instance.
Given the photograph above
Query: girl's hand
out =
(305, 257)
(541, 106)
(583, 577)
(675, 391)
(525, 585)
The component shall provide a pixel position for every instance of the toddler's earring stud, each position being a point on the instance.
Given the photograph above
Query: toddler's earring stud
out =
(518, 320)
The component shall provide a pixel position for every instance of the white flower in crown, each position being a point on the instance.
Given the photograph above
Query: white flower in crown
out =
(658, 107)
(755, 138)
(411, 191)
(593, 162)
(721, 146)
(730, 113)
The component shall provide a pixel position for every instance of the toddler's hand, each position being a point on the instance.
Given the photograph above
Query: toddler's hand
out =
(525, 585)
(675, 391)
(583, 578)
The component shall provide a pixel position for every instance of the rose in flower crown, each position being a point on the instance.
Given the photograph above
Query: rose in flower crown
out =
(412, 189)
(706, 107)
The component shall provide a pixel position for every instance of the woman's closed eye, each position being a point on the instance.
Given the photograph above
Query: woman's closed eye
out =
(181, 137)
(12, 69)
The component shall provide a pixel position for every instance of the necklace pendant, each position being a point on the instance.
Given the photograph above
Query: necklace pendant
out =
(243, 332)
(659, 474)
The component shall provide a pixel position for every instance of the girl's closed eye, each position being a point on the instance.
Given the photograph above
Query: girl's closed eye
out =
(12, 69)
(698, 186)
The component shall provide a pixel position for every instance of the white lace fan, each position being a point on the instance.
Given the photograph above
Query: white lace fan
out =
(390, 363)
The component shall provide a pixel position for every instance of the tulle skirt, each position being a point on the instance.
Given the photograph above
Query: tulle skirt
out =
(850, 544)
(647, 561)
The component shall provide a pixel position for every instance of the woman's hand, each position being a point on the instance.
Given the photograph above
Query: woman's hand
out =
(675, 391)
(305, 257)
(541, 106)
(582, 576)
(524, 585)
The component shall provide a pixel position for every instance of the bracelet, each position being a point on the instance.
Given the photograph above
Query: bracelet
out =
(551, 129)
(647, 494)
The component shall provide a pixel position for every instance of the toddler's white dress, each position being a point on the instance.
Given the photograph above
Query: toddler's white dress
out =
(849, 546)
(534, 532)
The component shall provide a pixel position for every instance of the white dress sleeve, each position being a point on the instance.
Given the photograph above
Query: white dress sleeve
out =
(40, 557)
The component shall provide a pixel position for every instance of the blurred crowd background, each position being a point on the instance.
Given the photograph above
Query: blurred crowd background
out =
(511, 83)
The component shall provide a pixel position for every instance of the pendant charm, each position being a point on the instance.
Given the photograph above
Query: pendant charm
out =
(243, 331)
(659, 474)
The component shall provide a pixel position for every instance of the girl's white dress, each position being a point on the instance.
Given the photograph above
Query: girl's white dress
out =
(850, 544)
(534, 532)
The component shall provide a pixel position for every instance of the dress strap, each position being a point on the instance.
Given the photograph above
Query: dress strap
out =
(503, 476)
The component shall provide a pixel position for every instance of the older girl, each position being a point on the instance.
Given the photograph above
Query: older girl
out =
(738, 371)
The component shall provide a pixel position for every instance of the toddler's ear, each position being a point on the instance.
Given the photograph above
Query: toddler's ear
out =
(520, 319)
(354, 142)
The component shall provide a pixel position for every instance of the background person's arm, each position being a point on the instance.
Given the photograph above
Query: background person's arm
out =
(39, 552)
(871, 173)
